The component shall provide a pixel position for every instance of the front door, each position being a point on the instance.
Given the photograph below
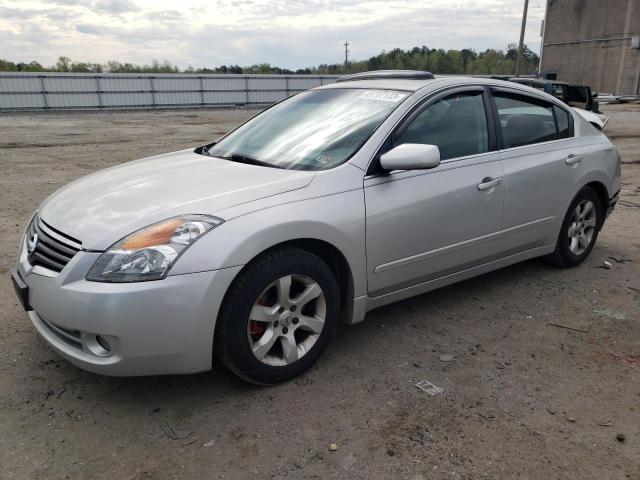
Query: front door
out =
(425, 224)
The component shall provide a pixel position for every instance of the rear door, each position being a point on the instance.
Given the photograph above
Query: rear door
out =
(543, 165)
(425, 224)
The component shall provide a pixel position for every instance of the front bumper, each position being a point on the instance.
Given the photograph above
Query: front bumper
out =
(150, 328)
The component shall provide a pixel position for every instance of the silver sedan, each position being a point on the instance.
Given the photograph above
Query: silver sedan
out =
(331, 203)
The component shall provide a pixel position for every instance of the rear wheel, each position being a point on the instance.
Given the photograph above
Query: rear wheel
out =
(579, 229)
(278, 316)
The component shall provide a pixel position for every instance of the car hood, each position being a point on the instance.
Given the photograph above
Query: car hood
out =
(103, 207)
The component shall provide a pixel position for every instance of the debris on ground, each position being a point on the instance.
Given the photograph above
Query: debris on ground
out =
(630, 360)
(209, 443)
(333, 447)
(172, 433)
(606, 264)
(620, 259)
(620, 437)
(607, 312)
(447, 357)
(559, 325)
(429, 388)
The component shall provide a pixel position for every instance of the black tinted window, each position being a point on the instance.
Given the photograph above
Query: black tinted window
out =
(562, 117)
(456, 124)
(523, 120)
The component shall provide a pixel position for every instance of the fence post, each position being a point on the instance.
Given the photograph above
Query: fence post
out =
(286, 79)
(99, 90)
(321, 81)
(246, 90)
(153, 92)
(44, 92)
(201, 91)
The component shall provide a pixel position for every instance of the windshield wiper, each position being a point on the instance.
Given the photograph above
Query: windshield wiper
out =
(237, 157)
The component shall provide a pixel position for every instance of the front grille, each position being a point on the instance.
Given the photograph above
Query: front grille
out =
(48, 247)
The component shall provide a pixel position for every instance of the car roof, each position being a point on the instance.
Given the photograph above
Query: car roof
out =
(410, 85)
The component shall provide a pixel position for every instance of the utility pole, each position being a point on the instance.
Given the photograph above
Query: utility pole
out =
(543, 29)
(520, 45)
(346, 57)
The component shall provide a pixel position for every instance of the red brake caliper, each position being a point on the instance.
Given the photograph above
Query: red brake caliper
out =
(257, 328)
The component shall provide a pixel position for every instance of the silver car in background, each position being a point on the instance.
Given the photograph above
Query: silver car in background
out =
(336, 201)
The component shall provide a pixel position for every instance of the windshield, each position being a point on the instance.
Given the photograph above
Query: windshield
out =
(314, 130)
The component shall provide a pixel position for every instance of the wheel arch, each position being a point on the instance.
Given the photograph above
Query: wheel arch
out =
(603, 196)
(332, 256)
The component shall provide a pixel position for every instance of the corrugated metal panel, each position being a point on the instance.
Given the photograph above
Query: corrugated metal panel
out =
(267, 83)
(124, 84)
(71, 100)
(70, 84)
(111, 90)
(29, 100)
(225, 98)
(144, 99)
(218, 83)
(178, 98)
(20, 84)
(190, 83)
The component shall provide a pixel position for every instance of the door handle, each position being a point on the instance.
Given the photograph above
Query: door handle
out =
(573, 159)
(488, 183)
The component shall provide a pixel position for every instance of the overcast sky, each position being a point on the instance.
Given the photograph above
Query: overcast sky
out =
(287, 33)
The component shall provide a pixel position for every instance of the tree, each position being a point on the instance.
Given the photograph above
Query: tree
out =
(63, 64)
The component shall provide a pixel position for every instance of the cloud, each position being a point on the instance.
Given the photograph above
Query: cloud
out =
(115, 6)
(287, 33)
(89, 29)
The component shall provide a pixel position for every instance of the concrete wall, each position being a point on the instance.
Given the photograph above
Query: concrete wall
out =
(589, 41)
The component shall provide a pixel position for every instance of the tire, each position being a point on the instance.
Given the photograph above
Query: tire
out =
(256, 295)
(567, 254)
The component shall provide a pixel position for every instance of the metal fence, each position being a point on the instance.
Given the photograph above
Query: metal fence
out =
(54, 91)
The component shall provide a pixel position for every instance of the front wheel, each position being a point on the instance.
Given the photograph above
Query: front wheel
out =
(278, 316)
(579, 229)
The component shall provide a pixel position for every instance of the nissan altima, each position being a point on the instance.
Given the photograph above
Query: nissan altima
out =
(331, 203)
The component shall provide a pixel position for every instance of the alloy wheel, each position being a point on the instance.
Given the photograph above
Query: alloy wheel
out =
(582, 227)
(286, 320)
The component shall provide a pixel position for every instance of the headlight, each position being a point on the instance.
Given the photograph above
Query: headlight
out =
(148, 254)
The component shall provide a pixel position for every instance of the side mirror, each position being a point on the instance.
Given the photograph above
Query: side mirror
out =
(411, 156)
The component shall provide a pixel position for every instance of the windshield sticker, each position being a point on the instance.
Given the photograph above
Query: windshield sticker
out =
(383, 95)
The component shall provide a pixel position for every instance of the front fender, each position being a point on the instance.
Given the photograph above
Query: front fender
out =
(337, 219)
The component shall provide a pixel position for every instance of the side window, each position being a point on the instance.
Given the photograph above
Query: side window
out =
(456, 124)
(578, 96)
(562, 117)
(524, 120)
(557, 91)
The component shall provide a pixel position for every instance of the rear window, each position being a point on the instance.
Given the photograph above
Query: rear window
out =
(524, 120)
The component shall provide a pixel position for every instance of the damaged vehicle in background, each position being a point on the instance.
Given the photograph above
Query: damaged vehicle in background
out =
(329, 204)
(577, 96)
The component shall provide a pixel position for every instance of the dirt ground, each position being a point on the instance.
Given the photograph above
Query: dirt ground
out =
(523, 399)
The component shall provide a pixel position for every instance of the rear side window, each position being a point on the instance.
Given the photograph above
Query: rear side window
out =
(456, 124)
(562, 117)
(524, 120)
